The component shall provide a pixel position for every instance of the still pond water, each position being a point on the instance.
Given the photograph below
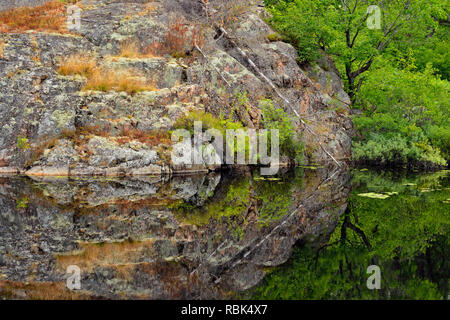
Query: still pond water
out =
(307, 233)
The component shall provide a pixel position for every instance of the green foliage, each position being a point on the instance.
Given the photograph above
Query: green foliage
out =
(241, 99)
(274, 118)
(429, 50)
(277, 118)
(405, 234)
(289, 20)
(395, 150)
(231, 200)
(340, 27)
(402, 94)
(403, 122)
(22, 203)
(398, 75)
(23, 143)
(440, 137)
(208, 120)
(233, 204)
(272, 37)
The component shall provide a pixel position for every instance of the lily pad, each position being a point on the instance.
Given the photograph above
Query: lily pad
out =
(374, 195)
(429, 190)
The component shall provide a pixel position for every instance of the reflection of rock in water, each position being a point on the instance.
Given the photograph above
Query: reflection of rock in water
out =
(132, 240)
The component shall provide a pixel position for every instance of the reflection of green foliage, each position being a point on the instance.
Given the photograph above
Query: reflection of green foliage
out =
(275, 199)
(234, 203)
(390, 181)
(408, 220)
(405, 234)
(22, 203)
(274, 196)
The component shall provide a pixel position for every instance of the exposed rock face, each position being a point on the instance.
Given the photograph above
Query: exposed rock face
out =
(9, 4)
(41, 105)
(130, 240)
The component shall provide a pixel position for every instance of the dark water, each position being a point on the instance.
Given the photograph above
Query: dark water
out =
(304, 234)
(398, 222)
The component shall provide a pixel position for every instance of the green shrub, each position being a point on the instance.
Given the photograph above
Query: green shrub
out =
(209, 121)
(272, 37)
(22, 203)
(440, 137)
(397, 150)
(405, 112)
(23, 143)
(277, 118)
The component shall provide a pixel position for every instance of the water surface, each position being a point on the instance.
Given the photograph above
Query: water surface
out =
(304, 234)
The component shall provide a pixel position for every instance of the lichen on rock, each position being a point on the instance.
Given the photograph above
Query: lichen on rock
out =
(40, 104)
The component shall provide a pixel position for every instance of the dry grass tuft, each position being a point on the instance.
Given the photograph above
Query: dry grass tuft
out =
(2, 46)
(39, 291)
(228, 12)
(79, 64)
(153, 138)
(47, 17)
(180, 40)
(130, 50)
(149, 8)
(94, 255)
(102, 79)
(114, 80)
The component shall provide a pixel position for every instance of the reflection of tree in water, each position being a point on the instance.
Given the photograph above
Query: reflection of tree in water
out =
(348, 224)
(406, 235)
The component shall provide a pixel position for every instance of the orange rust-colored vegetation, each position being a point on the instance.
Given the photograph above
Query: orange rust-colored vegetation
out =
(50, 17)
(102, 79)
(180, 40)
(104, 254)
(131, 50)
(39, 291)
(117, 80)
(2, 46)
(79, 137)
(153, 138)
(78, 64)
